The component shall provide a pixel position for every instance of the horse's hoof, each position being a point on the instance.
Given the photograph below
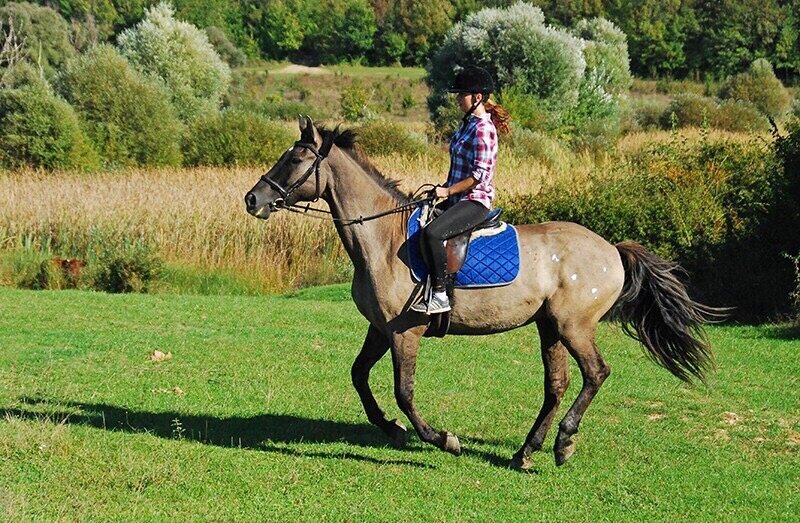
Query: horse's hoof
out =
(521, 463)
(397, 433)
(451, 444)
(564, 452)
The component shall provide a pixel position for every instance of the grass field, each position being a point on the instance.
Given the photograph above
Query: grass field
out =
(253, 418)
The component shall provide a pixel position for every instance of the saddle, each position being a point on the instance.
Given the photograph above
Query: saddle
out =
(458, 247)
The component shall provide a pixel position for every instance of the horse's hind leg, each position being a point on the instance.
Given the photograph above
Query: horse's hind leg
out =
(405, 346)
(556, 381)
(580, 341)
(375, 346)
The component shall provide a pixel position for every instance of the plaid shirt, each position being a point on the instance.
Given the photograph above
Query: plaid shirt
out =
(473, 152)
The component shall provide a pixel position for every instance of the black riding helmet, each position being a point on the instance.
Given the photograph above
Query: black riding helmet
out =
(472, 79)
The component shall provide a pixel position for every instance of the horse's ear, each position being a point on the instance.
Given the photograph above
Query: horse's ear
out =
(309, 133)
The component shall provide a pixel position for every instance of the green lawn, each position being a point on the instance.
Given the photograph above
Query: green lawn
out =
(254, 419)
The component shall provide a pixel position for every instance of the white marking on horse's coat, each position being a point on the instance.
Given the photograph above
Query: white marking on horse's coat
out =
(555, 258)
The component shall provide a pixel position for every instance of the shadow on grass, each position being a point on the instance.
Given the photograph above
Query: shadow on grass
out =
(266, 433)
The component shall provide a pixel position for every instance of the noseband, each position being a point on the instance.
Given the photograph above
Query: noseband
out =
(280, 203)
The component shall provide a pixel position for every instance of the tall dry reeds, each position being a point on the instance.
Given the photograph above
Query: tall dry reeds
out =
(195, 218)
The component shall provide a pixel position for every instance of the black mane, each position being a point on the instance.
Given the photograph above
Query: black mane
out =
(347, 141)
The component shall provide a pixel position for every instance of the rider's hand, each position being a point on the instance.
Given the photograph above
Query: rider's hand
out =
(442, 192)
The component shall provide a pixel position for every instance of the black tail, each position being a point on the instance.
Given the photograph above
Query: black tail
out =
(655, 309)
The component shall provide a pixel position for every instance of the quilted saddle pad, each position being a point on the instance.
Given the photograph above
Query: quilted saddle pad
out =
(492, 259)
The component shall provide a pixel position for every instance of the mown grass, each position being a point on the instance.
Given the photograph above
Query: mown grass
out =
(254, 418)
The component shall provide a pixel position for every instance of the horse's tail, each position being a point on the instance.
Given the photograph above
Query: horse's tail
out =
(655, 309)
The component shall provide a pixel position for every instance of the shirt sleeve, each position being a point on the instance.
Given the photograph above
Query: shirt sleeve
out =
(485, 147)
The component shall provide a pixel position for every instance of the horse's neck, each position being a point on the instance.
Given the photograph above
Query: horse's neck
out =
(354, 193)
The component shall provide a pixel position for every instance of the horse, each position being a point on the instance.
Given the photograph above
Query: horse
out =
(570, 278)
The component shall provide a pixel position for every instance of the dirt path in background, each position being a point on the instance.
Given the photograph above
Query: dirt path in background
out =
(302, 69)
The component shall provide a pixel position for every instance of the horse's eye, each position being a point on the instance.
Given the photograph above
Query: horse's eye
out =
(296, 160)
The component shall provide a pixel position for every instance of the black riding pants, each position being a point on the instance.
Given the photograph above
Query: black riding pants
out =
(456, 220)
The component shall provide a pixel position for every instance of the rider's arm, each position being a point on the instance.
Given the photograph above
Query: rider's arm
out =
(457, 188)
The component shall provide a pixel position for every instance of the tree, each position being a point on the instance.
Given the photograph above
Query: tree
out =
(181, 56)
(44, 34)
(119, 107)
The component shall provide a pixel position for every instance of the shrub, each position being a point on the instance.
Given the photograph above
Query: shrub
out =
(129, 117)
(38, 129)
(643, 114)
(181, 55)
(130, 267)
(760, 87)
(702, 204)
(43, 33)
(232, 55)
(356, 102)
(233, 137)
(689, 110)
(736, 116)
(606, 54)
(500, 40)
(386, 137)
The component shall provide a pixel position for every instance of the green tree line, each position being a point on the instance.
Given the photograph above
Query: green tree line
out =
(676, 38)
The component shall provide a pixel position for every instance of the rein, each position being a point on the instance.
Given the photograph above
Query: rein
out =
(280, 203)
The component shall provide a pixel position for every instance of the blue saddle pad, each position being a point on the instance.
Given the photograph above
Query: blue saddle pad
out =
(492, 261)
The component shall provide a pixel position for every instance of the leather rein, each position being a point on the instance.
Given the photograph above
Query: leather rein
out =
(280, 203)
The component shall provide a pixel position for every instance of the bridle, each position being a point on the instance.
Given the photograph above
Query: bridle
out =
(280, 203)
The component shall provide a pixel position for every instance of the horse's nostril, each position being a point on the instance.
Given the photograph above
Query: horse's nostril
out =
(250, 200)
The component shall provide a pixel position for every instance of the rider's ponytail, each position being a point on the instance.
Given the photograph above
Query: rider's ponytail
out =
(500, 116)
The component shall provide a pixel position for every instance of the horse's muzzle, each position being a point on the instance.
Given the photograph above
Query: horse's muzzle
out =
(251, 204)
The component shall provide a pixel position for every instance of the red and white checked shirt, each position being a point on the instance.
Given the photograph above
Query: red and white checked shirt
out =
(473, 152)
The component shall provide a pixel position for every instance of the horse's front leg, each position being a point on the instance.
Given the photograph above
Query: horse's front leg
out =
(375, 346)
(405, 346)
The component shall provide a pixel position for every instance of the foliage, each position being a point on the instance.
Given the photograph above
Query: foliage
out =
(181, 56)
(570, 82)
(760, 87)
(277, 108)
(39, 129)
(538, 147)
(44, 34)
(606, 54)
(674, 87)
(356, 102)
(131, 267)
(281, 31)
(341, 30)
(231, 54)
(704, 205)
(386, 137)
(120, 108)
(691, 110)
(642, 114)
(233, 137)
(500, 40)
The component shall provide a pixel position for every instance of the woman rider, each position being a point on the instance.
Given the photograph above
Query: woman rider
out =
(469, 189)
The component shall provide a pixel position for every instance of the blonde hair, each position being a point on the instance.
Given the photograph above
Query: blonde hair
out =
(500, 116)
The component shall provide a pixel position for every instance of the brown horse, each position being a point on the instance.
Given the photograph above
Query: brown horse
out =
(569, 279)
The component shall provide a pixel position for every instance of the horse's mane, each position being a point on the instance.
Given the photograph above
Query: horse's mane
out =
(347, 141)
